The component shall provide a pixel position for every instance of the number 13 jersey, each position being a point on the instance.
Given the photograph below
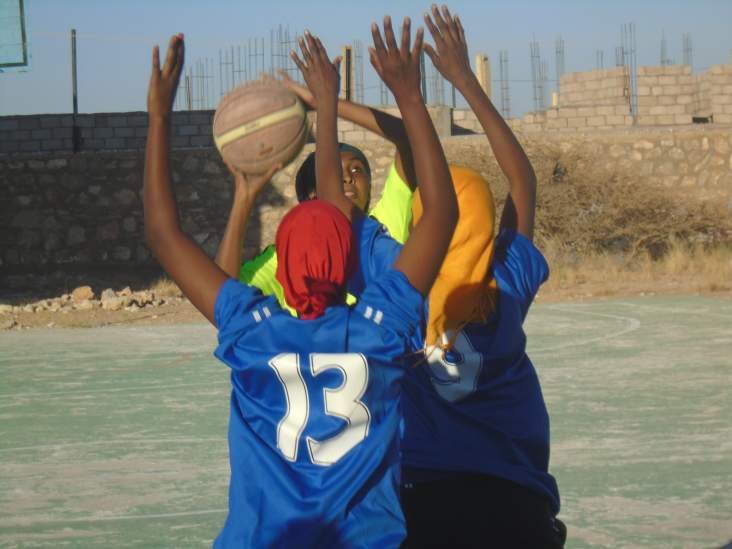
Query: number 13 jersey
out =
(314, 424)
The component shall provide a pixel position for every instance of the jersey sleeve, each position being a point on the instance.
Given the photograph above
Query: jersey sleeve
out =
(519, 266)
(261, 272)
(394, 208)
(377, 252)
(239, 307)
(393, 304)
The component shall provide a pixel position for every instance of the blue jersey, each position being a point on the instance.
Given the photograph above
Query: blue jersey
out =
(314, 424)
(479, 408)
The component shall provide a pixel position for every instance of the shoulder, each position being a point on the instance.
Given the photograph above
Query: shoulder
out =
(392, 303)
(518, 265)
(239, 306)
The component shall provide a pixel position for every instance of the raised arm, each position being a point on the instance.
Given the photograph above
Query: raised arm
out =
(321, 76)
(246, 190)
(198, 277)
(398, 66)
(381, 123)
(450, 57)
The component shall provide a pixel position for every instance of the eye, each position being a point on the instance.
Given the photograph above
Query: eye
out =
(356, 169)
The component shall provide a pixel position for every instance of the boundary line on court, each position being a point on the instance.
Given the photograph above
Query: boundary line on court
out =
(140, 441)
(632, 325)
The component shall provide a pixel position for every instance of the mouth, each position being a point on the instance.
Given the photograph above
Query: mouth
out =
(350, 192)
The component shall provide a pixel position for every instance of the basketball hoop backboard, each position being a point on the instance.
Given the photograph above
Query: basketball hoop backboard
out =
(14, 54)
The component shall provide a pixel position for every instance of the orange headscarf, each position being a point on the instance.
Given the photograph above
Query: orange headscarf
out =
(462, 292)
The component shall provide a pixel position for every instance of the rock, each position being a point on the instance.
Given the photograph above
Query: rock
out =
(126, 291)
(75, 236)
(108, 231)
(8, 324)
(29, 308)
(132, 308)
(125, 197)
(115, 303)
(142, 298)
(6, 309)
(121, 253)
(82, 293)
(84, 305)
(107, 293)
(54, 307)
(50, 325)
(129, 224)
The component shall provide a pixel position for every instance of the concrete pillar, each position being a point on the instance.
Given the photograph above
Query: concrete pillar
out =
(483, 72)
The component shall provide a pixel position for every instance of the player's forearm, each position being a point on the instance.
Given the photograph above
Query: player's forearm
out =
(509, 154)
(511, 159)
(437, 194)
(328, 171)
(161, 214)
(228, 257)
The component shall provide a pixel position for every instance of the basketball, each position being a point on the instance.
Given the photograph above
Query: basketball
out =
(258, 125)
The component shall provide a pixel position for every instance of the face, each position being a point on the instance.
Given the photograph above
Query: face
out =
(356, 180)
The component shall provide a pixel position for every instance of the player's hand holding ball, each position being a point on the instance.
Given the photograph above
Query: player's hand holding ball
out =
(164, 83)
(398, 66)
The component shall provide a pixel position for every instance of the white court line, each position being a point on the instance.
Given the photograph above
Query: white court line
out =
(632, 325)
(140, 441)
(704, 312)
(206, 385)
(34, 521)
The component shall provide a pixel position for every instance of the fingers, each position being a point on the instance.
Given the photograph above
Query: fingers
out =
(406, 35)
(179, 58)
(389, 35)
(434, 31)
(337, 64)
(418, 42)
(379, 46)
(432, 54)
(300, 64)
(170, 55)
(374, 58)
(269, 174)
(449, 23)
(305, 49)
(461, 31)
(156, 60)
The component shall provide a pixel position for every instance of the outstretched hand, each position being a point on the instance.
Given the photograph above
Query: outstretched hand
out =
(321, 75)
(451, 56)
(164, 83)
(398, 66)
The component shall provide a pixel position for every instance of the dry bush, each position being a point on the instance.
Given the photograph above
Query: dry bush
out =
(164, 287)
(591, 213)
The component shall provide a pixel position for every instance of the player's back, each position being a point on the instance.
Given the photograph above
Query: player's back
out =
(313, 433)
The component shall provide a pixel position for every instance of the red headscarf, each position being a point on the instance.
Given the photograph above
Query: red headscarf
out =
(314, 242)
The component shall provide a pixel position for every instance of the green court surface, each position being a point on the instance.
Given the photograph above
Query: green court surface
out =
(116, 437)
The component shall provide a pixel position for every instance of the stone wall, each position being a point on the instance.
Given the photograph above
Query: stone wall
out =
(60, 210)
(666, 95)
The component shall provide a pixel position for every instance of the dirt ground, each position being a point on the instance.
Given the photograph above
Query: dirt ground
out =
(184, 312)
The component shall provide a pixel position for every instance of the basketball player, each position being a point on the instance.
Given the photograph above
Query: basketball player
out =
(476, 434)
(393, 210)
(314, 407)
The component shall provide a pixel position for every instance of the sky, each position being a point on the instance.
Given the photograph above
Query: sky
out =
(115, 37)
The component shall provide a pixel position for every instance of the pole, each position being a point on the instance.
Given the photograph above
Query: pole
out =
(75, 137)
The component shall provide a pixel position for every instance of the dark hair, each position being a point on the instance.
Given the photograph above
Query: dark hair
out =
(305, 178)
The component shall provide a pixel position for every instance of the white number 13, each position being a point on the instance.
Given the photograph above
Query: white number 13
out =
(343, 402)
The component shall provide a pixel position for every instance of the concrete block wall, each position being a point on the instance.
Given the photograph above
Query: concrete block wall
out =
(98, 132)
(594, 88)
(715, 93)
(595, 100)
(667, 95)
